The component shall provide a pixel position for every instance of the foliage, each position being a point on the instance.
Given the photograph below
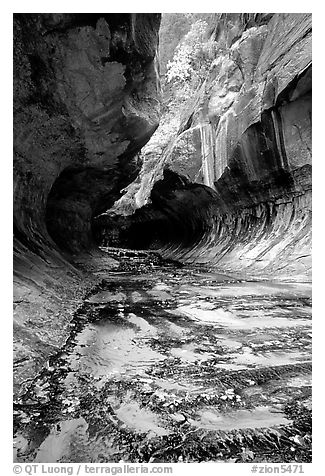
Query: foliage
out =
(187, 50)
(192, 57)
(173, 28)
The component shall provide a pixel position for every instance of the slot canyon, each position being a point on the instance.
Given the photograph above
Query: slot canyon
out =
(162, 237)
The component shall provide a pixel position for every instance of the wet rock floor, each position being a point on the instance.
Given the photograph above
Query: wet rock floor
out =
(174, 364)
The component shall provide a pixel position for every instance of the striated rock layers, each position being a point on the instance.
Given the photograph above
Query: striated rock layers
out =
(243, 200)
(86, 99)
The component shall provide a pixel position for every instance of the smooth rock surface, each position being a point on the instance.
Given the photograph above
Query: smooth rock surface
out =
(248, 131)
(86, 99)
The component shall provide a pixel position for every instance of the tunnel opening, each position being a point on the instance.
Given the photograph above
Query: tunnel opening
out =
(267, 176)
(182, 214)
(113, 348)
(262, 199)
(177, 214)
(76, 195)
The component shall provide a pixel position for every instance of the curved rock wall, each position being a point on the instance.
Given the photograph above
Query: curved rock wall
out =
(86, 99)
(253, 114)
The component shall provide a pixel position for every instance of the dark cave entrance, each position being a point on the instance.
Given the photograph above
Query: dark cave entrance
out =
(77, 195)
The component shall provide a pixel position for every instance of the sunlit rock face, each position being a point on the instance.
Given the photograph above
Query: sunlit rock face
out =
(86, 99)
(252, 121)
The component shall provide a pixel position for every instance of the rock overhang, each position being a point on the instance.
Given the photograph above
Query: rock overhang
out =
(86, 99)
(252, 120)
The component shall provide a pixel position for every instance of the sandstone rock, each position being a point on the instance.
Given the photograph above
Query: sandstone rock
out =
(86, 99)
(252, 145)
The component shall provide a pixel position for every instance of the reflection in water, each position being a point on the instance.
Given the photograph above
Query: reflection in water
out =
(139, 419)
(62, 438)
(259, 417)
(168, 356)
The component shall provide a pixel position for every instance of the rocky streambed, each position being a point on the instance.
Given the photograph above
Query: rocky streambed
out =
(175, 364)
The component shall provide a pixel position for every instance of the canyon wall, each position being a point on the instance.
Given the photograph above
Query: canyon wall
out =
(242, 200)
(86, 99)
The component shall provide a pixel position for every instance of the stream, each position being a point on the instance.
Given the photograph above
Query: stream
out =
(175, 364)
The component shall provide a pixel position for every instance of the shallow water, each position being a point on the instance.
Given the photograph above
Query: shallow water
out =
(171, 354)
(260, 416)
